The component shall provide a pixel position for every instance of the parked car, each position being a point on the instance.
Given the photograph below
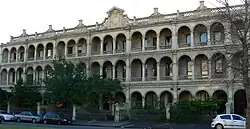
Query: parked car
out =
(55, 118)
(226, 121)
(28, 117)
(6, 116)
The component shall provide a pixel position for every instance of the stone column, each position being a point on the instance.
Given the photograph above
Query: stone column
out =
(35, 53)
(101, 70)
(101, 44)
(143, 102)
(76, 50)
(7, 82)
(74, 113)
(175, 68)
(193, 69)
(174, 38)
(128, 70)
(143, 42)
(66, 50)
(158, 71)
(168, 111)
(44, 53)
(54, 50)
(114, 46)
(158, 42)
(89, 44)
(38, 108)
(208, 36)
(143, 72)
(113, 71)
(192, 38)
(8, 107)
(128, 45)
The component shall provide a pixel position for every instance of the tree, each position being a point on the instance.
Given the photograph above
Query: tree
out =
(4, 97)
(238, 18)
(25, 95)
(66, 84)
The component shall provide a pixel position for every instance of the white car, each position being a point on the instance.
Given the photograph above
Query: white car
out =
(226, 121)
(6, 116)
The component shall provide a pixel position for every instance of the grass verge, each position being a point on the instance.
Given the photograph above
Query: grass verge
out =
(21, 127)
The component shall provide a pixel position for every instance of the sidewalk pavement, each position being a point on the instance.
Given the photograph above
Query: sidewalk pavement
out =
(101, 123)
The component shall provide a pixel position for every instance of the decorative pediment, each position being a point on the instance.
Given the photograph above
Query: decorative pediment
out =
(115, 12)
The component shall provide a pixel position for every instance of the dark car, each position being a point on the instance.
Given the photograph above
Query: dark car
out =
(55, 118)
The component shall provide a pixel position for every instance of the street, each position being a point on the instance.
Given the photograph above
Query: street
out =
(53, 126)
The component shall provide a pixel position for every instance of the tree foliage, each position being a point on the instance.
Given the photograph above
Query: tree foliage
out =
(69, 84)
(4, 97)
(25, 95)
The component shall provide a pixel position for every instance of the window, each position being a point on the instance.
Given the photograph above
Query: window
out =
(168, 70)
(154, 41)
(146, 43)
(237, 117)
(218, 66)
(226, 117)
(70, 50)
(49, 53)
(204, 67)
(217, 36)
(189, 68)
(203, 37)
(168, 40)
(188, 39)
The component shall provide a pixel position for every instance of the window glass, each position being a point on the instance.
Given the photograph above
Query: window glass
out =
(226, 117)
(188, 39)
(237, 117)
(203, 37)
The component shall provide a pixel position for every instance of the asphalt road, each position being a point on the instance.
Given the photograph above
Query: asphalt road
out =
(54, 126)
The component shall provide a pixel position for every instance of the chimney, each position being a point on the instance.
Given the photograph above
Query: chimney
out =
(178, 13)
(155, 11)
(97, 25)
(24, 31)
(80, 22)
(202, 5)
(50, 27)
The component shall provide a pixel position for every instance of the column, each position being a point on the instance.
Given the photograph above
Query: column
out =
(193, 69)
(54, 50)
(174, 38)
(8, 107)
(128, 45)
(158, 71)
(229, 103)
(89, 44)
(114, 46)
(113, 71)
(101, 44)
(88, 70)
(74, 113)
(143, 102)
(158, 42)
(209, 69)
(44, 53)
(143, 72)
(24, 75)
(143, 43)
(26, 53)
(192, 38)
(38, 107)
(76, 50)
(7, 81)
(175, 68)
(101, 70)
(208, 36)
(66, 50)
(128, 70)
(35, 53)
(9, 55)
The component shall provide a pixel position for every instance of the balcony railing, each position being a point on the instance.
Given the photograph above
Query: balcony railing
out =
(218, 75)
(184, 45)
(165, 46)
(5, 61)
(136, 78)
(30, 58)
(20, 60)
(39, 58)
(82, 54)
(150, 48)
(123, 79)
(217, 42)
(13, 60)
(95, 53)
(71, 55)
(120, 51)
(49, 57)
(136, 49)
(204, 76)
(201, 43)
(166, 78)
(108, 52)
(185, 77)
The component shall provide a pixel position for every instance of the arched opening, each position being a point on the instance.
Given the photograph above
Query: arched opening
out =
(71, 48)
(108, 45)
(82, 66)
(107, 70)
(107, 101)
(201, 67)
(150, 41)
(221, 98)
(136, 41)
(19, 74)
(237, 64)
(4, 77)
(61, 49)
(166, 98)
(217, 35)
(202, 95)
(82, 47)
(30, 75)
(31, 52)
(185, 68)
(120, 43)
(120, 97)
(165, 38)
(200, 35)
(166, 68)
(5, 57)
(185, 95)
(219, 66)
(240, 102)
(38, 75)
(47, 69)
(136, 70)
(136, 100)
(21, 52)
(39, 52)
(151, 69)
(13, 54)
(120, 70)
(12, 76)
(184, 37)
(96, 46)
(49, 51)
(95, 68)
(150, 100)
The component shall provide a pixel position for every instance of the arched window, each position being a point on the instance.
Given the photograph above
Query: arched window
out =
(188, 39)
(203, 37)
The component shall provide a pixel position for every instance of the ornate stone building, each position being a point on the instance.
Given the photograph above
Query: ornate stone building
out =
(162, 57)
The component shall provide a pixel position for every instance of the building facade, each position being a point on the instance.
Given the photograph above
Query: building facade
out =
(161, 58)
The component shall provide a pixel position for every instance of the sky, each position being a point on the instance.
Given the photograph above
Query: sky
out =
(37, 15)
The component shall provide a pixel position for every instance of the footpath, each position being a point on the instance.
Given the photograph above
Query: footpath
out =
(141, 125)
